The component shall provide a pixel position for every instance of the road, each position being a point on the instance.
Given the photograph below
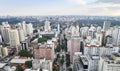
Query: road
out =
(62, 53)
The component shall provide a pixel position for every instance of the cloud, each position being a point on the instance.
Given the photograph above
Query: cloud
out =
(81, 2)
(108, 1)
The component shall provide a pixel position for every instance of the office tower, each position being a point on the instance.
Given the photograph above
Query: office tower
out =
(106, 25)
(98, 30)
(84, 31)
(21, 35)
(58, 28)
(47, 26)
(74, 46)
(108, 40)
(24, 45)
(91, 31)
(29, 29)
(1, 39)
(116, 36)
(5, 31)
(23, 25)
(14, 37)
(99, 38)
(110, 63)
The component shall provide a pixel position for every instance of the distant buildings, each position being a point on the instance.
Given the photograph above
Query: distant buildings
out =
(106, 25)
(72, 31)
(58, 28)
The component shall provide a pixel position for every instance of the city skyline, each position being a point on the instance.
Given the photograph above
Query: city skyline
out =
(59, 7)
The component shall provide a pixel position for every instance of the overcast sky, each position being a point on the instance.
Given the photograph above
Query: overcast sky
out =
(60, 7)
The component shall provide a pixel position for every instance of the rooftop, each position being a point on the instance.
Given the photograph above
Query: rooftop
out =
(2, 65)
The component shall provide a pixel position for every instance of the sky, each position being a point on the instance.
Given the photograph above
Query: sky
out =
(59, 7)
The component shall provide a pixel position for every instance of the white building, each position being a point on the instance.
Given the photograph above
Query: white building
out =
(5, 31)
(74, 30)
(110, 63)
(29, 29)
(99, 37)
(21, 35)
(23, 25)
(93, 62)
(116, 35)
(84, 31)
(1, 39)
(14, 37)
(47, 26)
(5, 51)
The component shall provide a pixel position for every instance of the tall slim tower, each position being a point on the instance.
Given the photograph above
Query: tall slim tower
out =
(58, 28)
(23, 24)
(106, 25)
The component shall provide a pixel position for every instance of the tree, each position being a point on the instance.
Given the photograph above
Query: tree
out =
(19, 68)
(28, 64)
(70, 69)
(25, 53)
(67, 60)
(58, 49)
(62, 61)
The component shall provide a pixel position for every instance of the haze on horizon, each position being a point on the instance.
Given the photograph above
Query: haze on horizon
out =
(60, 7)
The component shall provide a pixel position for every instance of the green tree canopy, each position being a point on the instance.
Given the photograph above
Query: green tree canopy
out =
(28, 64)
(25, 53)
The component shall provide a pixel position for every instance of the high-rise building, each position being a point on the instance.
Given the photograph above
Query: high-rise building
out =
(29, 29)
(24, 45)
(106, 25)
(47, 26)
(116, 36)
(21, 35)
(74, 46)
(74, 31)
(23, 25)
(5, 31)
(110, 63)
(58, 28)
(1, 39)
(99, 38)
(14, 37)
